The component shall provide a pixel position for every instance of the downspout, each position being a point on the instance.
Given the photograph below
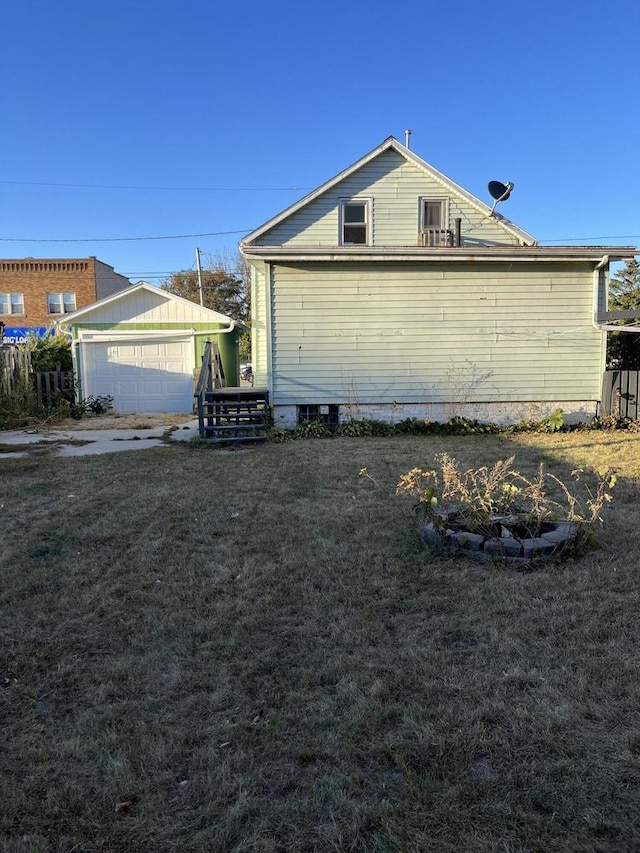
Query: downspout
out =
(75, 361)
(603, 262)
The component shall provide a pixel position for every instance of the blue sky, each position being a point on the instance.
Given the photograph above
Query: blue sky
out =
(226, 113)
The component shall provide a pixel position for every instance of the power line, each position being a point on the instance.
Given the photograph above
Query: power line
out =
(582, 239)
(120, 239)
(180, 189)
(567, 240)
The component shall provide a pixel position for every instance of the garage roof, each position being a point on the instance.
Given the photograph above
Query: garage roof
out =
(196, 312)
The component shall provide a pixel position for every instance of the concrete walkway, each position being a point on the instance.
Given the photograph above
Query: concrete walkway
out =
(95, 441)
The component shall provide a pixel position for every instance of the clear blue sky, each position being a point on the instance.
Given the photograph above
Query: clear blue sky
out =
(243, 107)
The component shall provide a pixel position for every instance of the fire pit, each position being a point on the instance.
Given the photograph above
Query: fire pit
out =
(510, 538)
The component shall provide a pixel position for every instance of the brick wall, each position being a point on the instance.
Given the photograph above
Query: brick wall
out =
(35, 278)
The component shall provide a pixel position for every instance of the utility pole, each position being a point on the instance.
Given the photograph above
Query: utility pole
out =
(199, 276)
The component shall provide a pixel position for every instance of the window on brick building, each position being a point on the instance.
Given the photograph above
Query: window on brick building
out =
(61, 303)
(11, 303)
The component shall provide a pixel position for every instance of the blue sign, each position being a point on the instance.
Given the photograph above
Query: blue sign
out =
(18, 334)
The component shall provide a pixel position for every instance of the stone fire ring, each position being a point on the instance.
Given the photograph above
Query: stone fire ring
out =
(505, 548)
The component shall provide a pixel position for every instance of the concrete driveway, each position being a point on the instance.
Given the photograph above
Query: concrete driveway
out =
(88, 442)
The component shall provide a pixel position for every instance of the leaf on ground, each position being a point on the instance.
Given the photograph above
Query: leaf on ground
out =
(125, 805)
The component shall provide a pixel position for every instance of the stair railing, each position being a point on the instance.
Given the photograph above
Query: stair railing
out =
(211, 376)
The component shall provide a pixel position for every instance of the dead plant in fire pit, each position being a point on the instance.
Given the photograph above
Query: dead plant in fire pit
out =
(498, 502)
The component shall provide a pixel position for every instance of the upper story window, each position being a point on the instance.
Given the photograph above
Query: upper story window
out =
(434, 222)
(61, 303)
(433, 213)
(11, 303)
(355, 222)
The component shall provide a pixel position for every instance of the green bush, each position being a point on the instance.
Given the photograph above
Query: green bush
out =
(278, 436)
(312, 429)
(416, 426)
(553, 422)
(367, 426)
(355, 428)
(49, 352)
(611, 423)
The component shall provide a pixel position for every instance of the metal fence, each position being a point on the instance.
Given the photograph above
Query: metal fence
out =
(620, 391)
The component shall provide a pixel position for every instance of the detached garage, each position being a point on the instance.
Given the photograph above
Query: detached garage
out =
(143, 346)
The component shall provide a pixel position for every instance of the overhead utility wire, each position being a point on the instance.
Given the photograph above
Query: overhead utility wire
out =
(568, 239)
(120, 239)
(181, 189)
(244, 231)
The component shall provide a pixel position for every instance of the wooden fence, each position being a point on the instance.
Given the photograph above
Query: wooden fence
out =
(15, 369)
(620, 392)
(16, 375)
(53, 386)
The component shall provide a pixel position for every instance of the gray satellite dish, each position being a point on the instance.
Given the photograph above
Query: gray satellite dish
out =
(499, 192)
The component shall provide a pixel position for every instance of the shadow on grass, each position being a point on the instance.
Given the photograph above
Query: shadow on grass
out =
(257, 652)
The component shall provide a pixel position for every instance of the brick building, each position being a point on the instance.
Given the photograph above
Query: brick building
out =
(34, 292)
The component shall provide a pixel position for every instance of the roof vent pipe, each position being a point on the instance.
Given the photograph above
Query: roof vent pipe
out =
(457, 240)
(407, 138)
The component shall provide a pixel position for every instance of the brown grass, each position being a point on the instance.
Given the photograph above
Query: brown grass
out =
(251, 651)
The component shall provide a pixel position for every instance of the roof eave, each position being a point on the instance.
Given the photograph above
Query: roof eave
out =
(485, 254)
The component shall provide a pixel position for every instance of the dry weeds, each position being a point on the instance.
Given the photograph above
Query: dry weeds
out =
(207, 651)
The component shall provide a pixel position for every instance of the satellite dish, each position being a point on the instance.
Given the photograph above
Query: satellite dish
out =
(499, 192)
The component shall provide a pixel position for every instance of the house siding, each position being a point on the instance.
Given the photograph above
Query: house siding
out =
(260, 323)
(411, 333)
(395, 186)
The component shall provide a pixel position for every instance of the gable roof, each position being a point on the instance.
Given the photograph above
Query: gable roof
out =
(208, 315)
(391, 144)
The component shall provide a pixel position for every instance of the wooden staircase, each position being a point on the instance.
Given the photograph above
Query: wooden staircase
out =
(234, 414)
(228, 414)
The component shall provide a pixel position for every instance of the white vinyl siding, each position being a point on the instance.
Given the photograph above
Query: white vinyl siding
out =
(396, 187)
(260, 323)
(347, 333)
(146, 306)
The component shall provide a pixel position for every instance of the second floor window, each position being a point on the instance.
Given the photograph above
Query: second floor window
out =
(433, 214)
(61, 303)
(355, 216)
(11, 303)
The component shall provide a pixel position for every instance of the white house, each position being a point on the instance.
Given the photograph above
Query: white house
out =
(392, 292)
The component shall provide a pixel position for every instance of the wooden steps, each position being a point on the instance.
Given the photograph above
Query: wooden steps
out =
(233, 414)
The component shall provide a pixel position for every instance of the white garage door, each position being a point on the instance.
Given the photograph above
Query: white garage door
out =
(149, 376)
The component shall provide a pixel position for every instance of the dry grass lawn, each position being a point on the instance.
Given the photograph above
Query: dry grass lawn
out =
(218, 650)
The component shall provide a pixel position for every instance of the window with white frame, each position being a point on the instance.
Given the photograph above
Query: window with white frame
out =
(355, 222)
(433, 214)
(11, 303)
(61, 303)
